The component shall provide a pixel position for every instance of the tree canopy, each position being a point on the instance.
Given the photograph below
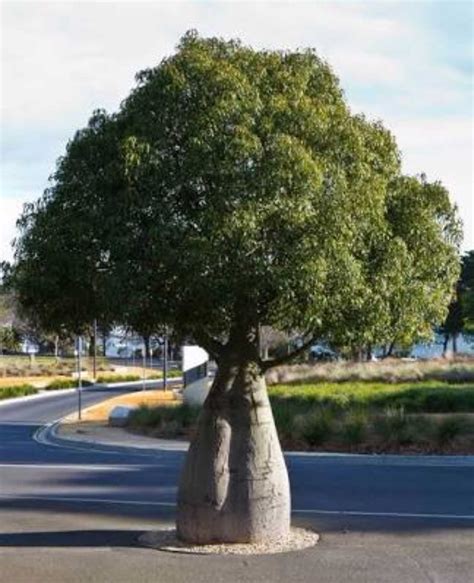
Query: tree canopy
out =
(236, 187)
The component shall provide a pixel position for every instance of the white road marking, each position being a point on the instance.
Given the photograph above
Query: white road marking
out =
(296, 510)
(86, 467)
(385, 514)
(98, 500)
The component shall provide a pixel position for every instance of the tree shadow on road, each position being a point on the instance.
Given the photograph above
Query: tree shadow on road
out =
(72, 538)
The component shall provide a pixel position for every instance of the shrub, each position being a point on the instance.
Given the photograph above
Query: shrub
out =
(393, 427)
(315, 427)
(354, 427)
(449, 429)
(432, 397)
(17, 391)
(111, 378)
(165, 419)
(66, 384)
(283, 414)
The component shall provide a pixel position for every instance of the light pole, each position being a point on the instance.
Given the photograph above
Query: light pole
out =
(165, 361)
(144, 364)
(95, 350)
(79, 378)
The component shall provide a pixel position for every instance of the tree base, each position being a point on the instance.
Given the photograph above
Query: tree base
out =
(166, 540)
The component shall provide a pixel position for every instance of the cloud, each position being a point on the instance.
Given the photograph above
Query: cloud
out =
(11, 210)
(442, 148)
(61, 60)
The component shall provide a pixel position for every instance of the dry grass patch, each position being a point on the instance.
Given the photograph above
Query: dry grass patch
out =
(100, 413)
(460, 370)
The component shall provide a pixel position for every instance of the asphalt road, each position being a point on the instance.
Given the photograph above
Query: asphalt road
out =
(74, 514)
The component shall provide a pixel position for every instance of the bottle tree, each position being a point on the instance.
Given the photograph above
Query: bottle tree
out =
(247, 195)
(266, 195)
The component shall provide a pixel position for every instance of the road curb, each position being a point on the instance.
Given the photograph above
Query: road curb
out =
(47, 435)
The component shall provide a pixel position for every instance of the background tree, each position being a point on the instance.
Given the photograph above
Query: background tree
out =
(62, 258)
(21, 323)
(243, 193)
(461, 310)
(407, 281)
(467, 292)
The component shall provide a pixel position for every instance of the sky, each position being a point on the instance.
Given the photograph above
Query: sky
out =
(409, 63)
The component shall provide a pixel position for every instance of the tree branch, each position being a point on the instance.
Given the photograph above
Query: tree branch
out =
(209, 343)
(267, 364)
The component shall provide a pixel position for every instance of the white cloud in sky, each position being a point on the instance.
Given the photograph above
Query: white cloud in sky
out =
(61, 60)
(11, 208)
(442, 148)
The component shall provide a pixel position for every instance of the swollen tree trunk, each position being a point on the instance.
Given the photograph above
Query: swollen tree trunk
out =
(234, 486)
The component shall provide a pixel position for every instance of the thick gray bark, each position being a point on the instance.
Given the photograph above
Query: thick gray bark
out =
(234, 486)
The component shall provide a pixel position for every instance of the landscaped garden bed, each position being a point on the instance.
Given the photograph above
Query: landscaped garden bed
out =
(423, 417)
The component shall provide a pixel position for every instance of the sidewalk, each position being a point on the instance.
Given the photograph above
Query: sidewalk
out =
(97, 433)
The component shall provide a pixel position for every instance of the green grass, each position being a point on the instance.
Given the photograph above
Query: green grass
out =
(386, 417)
(117, 378)
(166, 420)
(17, 391)
(426, 397)
(66, 384)
(355, 427)
(363, 416)
(449, 429)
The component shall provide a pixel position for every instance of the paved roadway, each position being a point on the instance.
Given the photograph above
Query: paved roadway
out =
(74, 514)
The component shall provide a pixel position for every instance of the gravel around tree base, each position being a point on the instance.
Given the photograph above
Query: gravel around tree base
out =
(166, 540)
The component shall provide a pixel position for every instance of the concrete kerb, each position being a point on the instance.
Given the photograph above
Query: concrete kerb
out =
(48, 435)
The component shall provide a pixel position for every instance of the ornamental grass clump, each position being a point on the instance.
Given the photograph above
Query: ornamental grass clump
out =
(393, 427)
(17, 391)
(66, 384)
(449, 429)
(164, 420)
(315, 428)
(354, 427)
